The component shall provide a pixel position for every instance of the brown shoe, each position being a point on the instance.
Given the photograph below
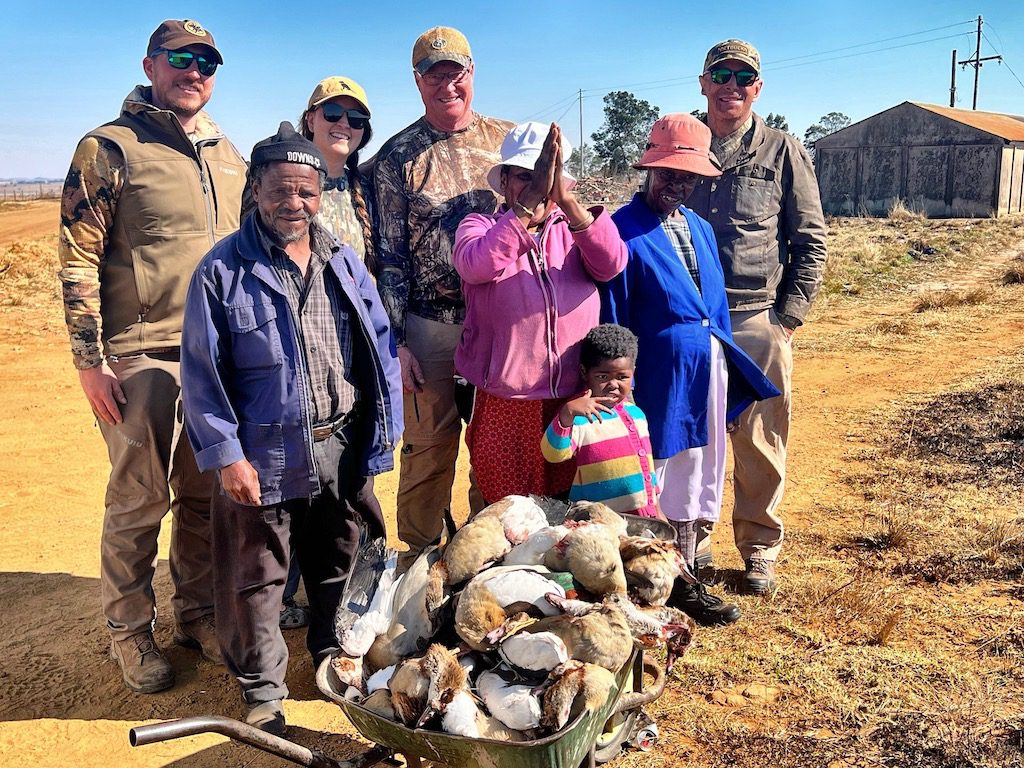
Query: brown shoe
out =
(759, 577)
(143, 668)
(200, 633)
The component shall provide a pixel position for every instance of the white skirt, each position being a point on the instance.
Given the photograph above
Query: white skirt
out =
(691, 482)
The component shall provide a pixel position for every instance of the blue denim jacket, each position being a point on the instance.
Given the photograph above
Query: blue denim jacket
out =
(242, 370)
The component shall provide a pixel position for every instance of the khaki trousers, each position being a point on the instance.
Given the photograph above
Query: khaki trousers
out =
(430, 444)
(759, 442)
(151, 458)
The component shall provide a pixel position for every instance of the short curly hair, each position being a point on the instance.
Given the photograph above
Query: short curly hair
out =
(607, 342)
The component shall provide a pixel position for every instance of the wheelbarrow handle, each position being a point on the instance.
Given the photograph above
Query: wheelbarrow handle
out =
(254, 737)
(635, 699)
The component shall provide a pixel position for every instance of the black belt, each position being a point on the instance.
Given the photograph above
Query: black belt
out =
(323, 431)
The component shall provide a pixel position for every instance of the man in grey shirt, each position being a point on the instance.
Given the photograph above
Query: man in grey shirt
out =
(766, 214)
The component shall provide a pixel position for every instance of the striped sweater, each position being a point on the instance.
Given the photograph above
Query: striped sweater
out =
(614, 463)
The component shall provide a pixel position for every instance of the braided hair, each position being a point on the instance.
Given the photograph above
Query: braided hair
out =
(355, 185)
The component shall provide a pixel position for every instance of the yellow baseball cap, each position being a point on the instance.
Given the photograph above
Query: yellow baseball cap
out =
(335, 86)
(440, 44)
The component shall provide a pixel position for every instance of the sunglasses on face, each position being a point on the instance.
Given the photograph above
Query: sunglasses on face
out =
(443, 78)
(184, 59)
(721, 75)
(334, 112)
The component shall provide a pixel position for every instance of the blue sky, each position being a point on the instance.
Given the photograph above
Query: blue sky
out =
(68, 65)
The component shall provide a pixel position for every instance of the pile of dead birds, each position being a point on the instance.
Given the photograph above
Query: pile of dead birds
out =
(514, 627)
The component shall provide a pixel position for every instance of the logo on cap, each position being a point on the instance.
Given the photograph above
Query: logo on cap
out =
(195, 28)
(343, 86)
(439, 44)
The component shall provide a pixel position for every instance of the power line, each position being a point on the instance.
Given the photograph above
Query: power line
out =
(873, 42)
(557, 105)
(867, 53)
(1003, 60)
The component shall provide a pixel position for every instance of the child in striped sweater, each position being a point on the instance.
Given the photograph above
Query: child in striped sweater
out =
(605, 432)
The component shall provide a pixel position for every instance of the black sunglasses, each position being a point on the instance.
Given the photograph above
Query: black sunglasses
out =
(184, 59)
(333, 112)
(721, 76)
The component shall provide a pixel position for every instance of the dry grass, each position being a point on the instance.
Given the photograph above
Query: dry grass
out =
(900, 212)
(948, 299)
(1014, 274)
(28, 272)
(866, 255)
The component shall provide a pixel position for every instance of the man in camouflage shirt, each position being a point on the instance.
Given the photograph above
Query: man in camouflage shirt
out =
(427, 178)
(146, 196)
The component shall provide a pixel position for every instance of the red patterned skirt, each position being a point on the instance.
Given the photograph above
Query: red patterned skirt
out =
(504, 448)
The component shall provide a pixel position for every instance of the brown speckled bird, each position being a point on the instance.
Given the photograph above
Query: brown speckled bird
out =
(596, 512)
(420, 683)
(577, 687)
(590, 553)
(651, 567)
(475, 546)
(601, 637)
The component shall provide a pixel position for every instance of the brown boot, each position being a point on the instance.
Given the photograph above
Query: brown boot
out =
(143, 668)
(200, 633)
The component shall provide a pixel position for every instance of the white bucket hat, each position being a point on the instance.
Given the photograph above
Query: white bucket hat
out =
(522, 147)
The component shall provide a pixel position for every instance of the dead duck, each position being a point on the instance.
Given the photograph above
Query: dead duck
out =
(601, 637)
(419, 683)
(533, 550)
(590, 553)
(514, 704)
(414, 616)
(596, 512)
(520, 516)
(576, 687)
(475, 546)
(493, 600)
(651, 567)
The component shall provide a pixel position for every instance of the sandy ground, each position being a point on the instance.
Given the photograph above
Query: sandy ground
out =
(61, 698)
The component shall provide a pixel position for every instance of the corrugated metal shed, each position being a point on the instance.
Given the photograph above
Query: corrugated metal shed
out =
(938, 160)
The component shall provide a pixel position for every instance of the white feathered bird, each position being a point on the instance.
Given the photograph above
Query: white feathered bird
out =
(514, 704)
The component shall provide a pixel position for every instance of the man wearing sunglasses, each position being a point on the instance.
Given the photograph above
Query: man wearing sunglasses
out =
(147, 195)
(428, 178)
(766, 215)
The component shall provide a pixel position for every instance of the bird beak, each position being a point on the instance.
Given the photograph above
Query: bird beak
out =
(429, 714)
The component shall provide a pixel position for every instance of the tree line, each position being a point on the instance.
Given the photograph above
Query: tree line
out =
(622, 138)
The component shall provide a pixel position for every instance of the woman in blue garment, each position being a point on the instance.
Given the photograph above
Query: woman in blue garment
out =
(691, 379)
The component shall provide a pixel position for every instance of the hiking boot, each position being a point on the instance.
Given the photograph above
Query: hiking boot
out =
(143, 668)
(200, 633)
(700, 605)
(268, 716)
(759, 578)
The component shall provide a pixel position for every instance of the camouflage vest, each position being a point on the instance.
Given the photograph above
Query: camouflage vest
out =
(174, 205)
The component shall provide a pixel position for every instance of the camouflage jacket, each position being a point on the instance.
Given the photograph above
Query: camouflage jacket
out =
(89, 209)
(338, 213)
(426, 181)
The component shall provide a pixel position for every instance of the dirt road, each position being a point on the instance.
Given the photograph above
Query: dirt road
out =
(61, 699)
(27, 221)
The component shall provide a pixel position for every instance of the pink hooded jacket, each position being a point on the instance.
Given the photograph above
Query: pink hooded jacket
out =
(527, 313)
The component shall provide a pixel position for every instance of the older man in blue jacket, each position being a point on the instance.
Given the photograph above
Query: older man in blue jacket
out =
(291, 389)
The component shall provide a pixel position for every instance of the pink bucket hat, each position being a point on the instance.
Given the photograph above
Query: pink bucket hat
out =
(681, 142)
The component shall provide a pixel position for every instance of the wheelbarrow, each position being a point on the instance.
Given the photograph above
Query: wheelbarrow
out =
(590, 739)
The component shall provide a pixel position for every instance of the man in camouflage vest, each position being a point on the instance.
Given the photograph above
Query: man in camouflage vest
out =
(427, 178)
(147, 195)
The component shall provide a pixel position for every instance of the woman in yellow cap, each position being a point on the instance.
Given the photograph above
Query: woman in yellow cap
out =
(337, 120)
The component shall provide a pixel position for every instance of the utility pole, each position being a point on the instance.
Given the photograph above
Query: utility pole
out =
(976, 62)
(952, 82)
(582, 138)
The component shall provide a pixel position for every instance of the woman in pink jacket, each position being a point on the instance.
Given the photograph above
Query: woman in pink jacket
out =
(528, 276)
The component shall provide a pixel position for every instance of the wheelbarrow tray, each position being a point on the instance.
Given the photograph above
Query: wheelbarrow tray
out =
(565, 749)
